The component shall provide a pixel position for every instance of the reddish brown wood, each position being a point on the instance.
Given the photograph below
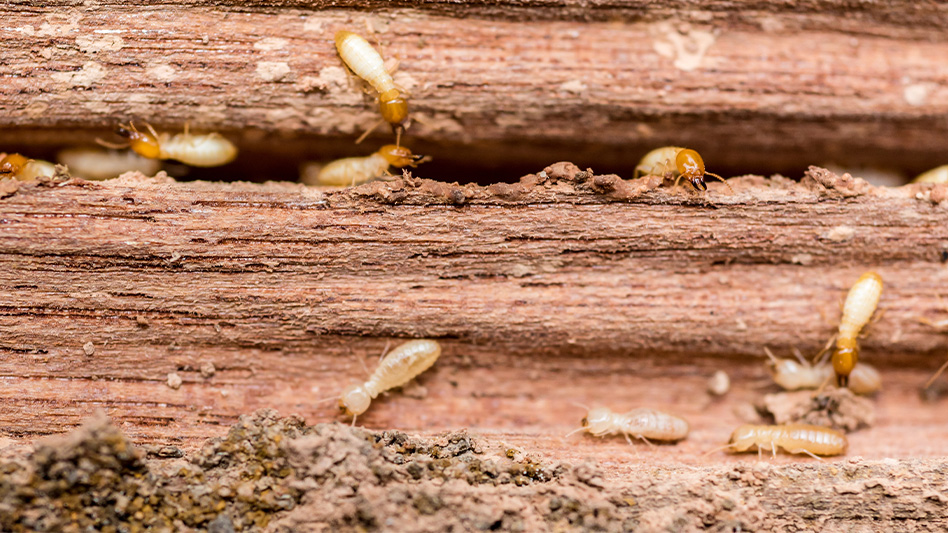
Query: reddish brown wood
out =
(769, 86)
(553, 290)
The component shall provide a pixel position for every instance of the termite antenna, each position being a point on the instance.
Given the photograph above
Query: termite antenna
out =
(719, 448)
(770, 355)
(571, 433)
(324, 400)
(114, 146)
(938, 373)
(581, 406)
(724, 181)
(799, 356)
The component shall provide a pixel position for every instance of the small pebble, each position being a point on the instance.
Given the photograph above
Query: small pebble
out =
(88, 348)
(719, 383)
(174, 380)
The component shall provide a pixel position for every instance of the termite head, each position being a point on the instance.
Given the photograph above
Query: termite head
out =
(144, 144)
(598, 421)
(12, 164)
(845, 358)
(743, 438)
(691, 166)
(355, 400)
(394, 107)
(399, 156)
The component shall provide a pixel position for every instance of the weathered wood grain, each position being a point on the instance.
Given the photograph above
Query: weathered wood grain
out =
(544, 292)
(766, 86)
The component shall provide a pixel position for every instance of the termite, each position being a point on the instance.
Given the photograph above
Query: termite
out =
(205, 150)
(935, 175)
(639, 423)
(363, 60)
(793, 438)
(353, 170)
(860, 304)
(397, 368)
(687, 163)
(24, 169)
(800, 374)
(97, 164)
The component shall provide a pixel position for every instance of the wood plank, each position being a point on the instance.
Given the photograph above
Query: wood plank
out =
(569, 282)
(739, 87)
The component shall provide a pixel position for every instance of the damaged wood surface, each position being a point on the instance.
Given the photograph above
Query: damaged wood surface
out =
(544, 292)
(858, 86)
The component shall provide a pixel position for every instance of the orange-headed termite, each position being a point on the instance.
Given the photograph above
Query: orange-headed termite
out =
(639, 423)
(935, 175)
(363, 60)
(800, 374)
(354, 170)
(24, 169)
(683, 161)
(205, 150)
(793, 438)
(397, 368)
(860, 304)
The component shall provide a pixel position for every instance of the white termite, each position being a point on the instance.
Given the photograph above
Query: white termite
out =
(397, 368)
(935, 175)
(355, 170)
(97, 164)
(639, 423)
(793, 438)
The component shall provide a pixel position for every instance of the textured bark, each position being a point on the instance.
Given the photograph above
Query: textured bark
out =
(771, 85)
(545, 292)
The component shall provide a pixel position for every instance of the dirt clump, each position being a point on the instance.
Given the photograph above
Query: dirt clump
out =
(836, 408)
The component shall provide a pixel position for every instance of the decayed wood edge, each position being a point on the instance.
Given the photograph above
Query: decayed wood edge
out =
(620, 87)
(109, 287)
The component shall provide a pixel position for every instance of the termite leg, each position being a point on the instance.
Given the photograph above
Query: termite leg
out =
(773, 449)
(368, 131)
(823, 385)
(875, 318)
(645, 440)
(354, 420)
(938, 373)
(820, 357)
(629, 440)
(384, 351)
(365, 368)
(808, 452)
